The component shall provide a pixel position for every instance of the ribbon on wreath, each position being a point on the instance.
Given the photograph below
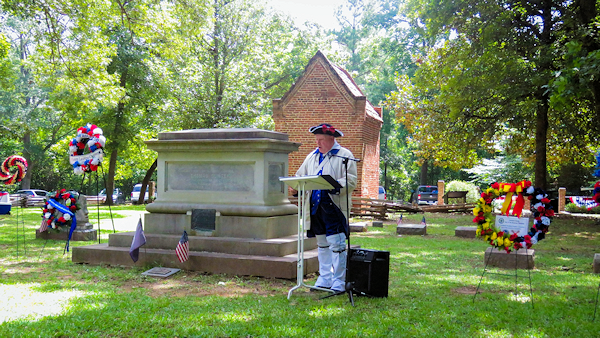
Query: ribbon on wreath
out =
(65, 210)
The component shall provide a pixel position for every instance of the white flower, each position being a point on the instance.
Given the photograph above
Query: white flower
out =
(539, 197)
(102, 140)
(537, 205)
(530, 190)
(47, 215)
(545, 220)
(97, 131)
(67, 217)
(72, 149)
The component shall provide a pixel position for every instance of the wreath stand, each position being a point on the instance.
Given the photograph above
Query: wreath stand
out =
(21, 202)
(596, 307)
(98, 204)
(516, 275)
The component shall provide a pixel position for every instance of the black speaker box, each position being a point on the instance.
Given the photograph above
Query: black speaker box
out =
(369, 272)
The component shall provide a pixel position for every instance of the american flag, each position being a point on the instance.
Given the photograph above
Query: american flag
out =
(423, 221)
(399, 219)
(44, 225)
(183, 248)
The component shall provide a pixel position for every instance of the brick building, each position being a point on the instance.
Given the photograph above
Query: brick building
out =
(326, 93)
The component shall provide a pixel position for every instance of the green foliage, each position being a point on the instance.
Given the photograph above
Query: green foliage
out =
(474, 191)
(574, 208)
(509, 169)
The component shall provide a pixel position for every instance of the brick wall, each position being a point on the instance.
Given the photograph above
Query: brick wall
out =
(320, 96)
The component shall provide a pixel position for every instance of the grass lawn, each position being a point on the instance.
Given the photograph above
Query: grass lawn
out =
(431, 287)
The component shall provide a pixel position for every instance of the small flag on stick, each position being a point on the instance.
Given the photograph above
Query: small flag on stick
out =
(43, 226)
(423, 221)
(139, 239)
(399, 220)
(183, 248)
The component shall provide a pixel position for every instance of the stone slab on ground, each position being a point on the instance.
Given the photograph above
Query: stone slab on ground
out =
(358, 227)
(411, 229)
(597, 263)
(377, 224)
(465, 231)
(522, 259)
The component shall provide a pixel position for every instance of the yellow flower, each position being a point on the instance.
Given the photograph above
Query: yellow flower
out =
(478, 232)
(475, 211)
(486, 238)
(494, 236)
(487, 209)
(507, 242)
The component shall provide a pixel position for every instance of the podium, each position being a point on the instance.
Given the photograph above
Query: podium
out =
(303, 184)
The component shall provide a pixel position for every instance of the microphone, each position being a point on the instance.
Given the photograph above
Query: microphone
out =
(345, 157)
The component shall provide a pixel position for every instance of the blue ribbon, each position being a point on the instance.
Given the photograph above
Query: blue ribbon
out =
(65, 210)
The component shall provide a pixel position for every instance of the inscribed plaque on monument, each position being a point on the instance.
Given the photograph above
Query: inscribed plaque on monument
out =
(512, 224)
(204, 219)
(209, 176)
(275, 171)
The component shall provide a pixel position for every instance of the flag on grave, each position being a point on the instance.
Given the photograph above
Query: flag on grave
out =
(399, 220)
(139, 239)
(423, 221)
(183, 248)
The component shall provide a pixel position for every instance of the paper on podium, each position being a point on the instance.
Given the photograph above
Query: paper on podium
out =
(316, 182)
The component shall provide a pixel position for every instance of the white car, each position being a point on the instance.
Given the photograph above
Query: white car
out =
(35, 197)
(135, 193)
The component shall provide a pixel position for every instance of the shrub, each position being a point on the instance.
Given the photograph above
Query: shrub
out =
(574, 208)
(473, 190)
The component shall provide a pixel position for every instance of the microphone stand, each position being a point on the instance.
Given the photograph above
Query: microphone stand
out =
(349, 286)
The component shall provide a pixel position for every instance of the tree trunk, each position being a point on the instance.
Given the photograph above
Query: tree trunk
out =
(423, 179)
(146, 181)
(541, 132)
(26, 182)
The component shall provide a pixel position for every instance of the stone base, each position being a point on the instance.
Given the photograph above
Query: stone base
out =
(520, 259)
(466, 232)
(358, 227)
(211, 262)
(377, 224)
(411, 229)
(78, 235)
(596, 263)
(225, 226)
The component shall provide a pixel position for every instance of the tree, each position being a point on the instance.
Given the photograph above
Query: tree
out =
(492, 81)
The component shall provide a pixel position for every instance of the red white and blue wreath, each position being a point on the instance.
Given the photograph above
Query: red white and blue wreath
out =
(89, 137)
(596, 192)
(60, 211)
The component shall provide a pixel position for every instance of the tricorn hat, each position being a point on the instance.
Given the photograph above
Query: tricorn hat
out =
(327, 129)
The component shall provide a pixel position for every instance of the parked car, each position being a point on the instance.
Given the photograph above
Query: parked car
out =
(117, 196)
(425, 194)
(382, 193)
(135, 193)
(35, 197)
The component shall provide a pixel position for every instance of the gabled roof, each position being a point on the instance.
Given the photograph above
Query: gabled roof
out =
(344, 78)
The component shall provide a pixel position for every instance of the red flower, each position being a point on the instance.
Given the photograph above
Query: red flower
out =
(545, 200)
(540, 209)
(496, 185)
(527, 184)
(501, 233)
(549, 212)
(513, 237)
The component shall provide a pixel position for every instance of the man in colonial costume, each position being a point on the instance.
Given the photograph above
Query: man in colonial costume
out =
(329, 210)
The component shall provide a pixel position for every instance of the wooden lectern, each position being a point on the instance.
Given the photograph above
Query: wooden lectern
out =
(303, 184)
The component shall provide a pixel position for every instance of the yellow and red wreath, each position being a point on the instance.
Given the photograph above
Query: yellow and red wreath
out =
(541, 208)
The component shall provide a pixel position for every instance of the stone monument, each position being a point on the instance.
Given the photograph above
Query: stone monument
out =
(222, 187)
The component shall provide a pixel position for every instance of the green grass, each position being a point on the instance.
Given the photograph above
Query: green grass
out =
(431, 286)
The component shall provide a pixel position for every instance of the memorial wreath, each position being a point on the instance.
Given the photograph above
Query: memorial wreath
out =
(59, 209)
(596, 192)
(13, 170)
(90, 136)
(541, 207)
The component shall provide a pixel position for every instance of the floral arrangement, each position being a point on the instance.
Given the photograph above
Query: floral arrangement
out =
(596, 192)
(542, 213)
(16, 162)
(59, 209)
(90, 136)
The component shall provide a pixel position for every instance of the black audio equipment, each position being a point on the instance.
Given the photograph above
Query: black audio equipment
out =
(368, 272)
